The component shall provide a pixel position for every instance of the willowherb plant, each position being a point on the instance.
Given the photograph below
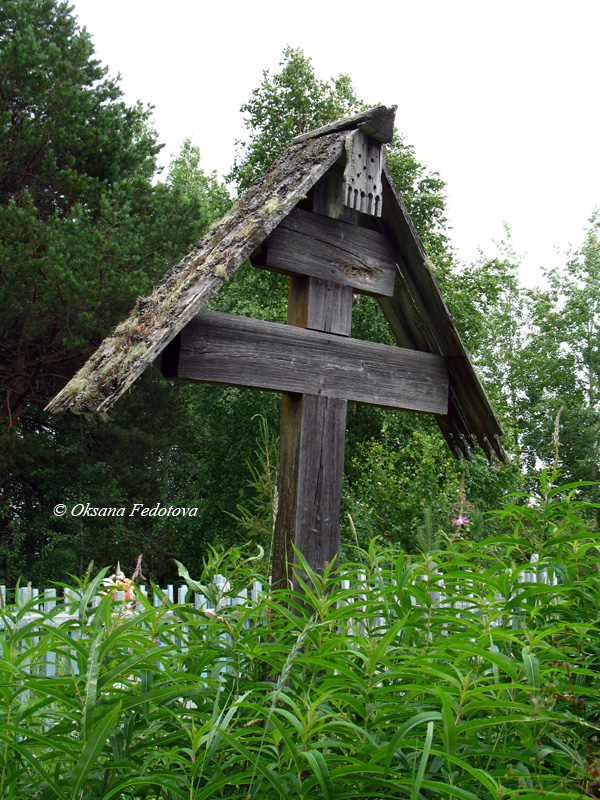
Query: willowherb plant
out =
(451, 675)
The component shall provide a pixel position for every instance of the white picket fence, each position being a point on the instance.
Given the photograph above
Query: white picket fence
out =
(48, 600)
(536, 575)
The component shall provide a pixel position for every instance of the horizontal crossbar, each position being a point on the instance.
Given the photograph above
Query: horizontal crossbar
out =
(227, 349)
(311, 244)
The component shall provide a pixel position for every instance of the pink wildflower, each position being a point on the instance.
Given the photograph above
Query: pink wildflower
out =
(460, 520)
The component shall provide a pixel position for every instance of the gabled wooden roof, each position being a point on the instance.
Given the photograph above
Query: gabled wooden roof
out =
(417, 314)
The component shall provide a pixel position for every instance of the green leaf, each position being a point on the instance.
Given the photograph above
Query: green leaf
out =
(482, 776)
(93, 748)
(217, 722)
(317, 762)
(416, 788)
(150, 783)
(90, 592)
(285, 734)
(443, 789)
(91, 686)
(532, 668)
(35, 762)
(256, 761)
(448, 720)
(194, 585)
(127, 664)
(418, 719)
(293, 719)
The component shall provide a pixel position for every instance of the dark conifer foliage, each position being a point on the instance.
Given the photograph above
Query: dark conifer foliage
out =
(84, 230)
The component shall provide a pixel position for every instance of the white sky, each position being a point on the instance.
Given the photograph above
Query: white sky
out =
(501, 98)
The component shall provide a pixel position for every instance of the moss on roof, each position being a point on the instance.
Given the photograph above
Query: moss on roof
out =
(184, 290)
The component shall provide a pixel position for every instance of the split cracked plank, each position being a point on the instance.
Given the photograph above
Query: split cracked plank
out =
(310, 244)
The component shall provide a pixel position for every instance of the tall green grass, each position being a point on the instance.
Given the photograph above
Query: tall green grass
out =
(379, 690)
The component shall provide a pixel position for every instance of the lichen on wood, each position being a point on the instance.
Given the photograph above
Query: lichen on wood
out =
(185, 289)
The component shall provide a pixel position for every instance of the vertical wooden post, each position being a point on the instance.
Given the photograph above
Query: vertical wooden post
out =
(311, 444)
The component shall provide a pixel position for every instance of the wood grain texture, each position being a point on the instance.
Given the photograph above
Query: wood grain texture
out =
(320, 305)
(311, 244)
(311, 445)
(223, 348)
(320, 478)
(312, 428)
(327, 196)
(377, 122)
(284, 532)
(310, 474)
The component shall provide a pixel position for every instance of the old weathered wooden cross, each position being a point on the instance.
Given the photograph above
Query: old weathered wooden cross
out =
(314, 362)
(329, 216)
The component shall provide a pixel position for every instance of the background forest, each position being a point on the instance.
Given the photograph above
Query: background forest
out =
(88, 223)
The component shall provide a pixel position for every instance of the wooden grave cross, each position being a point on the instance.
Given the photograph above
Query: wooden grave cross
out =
(329, 216)
(312, 360)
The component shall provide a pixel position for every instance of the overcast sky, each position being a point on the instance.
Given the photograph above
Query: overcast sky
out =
(500, 98)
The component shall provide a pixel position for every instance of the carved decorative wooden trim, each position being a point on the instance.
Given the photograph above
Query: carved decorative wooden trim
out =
(362, 187)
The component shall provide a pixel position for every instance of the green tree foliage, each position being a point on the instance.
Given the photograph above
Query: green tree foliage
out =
(75, 168)
(537, 352)
(401, 482)
(490, 307)
(189, 184)
(397, 480)
(424, 193)
(258, 519)
(285, 105)
(563, 363)
(84, 230)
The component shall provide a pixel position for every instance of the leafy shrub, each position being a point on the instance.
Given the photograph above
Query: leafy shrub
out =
(451, 675)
